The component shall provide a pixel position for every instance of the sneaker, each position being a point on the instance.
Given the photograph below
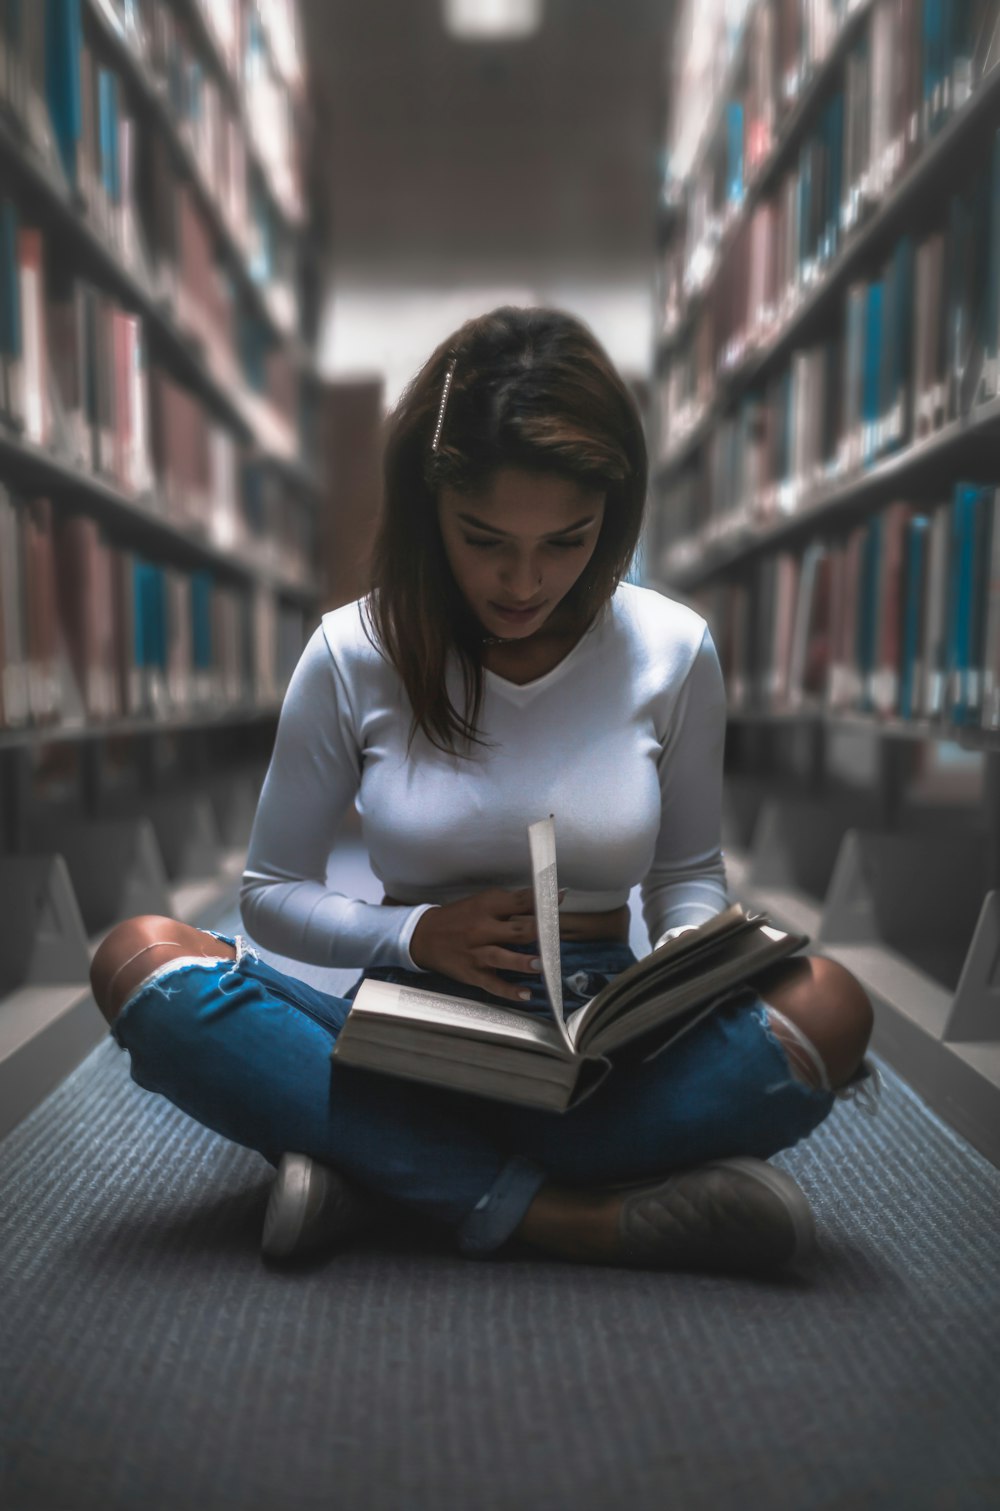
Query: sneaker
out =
(735, 1216)
(311, 1208)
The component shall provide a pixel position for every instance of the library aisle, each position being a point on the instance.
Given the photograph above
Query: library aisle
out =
(230, 233)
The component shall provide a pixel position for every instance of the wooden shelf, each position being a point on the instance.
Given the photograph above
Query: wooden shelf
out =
(787, 140)
(918, 470)
(29, 736)
(137, 521)
(928, 172)
(145, 89)
(968, 736)
(234, 403)
(292, 215)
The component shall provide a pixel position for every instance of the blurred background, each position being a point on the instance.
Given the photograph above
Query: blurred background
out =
(462, 173)
(231, 231)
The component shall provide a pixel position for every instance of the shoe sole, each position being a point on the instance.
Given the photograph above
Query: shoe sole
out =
(286, 1206)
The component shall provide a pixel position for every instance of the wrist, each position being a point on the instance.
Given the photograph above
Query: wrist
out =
(408, 937)
(680, 928)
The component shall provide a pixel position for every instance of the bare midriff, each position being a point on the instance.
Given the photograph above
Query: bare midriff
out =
(614, 924)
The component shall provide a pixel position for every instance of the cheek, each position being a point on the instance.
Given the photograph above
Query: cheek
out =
(470, 569)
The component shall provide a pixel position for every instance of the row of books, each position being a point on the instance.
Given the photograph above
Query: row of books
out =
(75, 109)
(92, 632)
(215, 134)
(898, 618)
(75, 379)
(916, 346)
(911, 65)
(261, 51)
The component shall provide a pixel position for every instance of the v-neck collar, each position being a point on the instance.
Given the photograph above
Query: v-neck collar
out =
(517, 690)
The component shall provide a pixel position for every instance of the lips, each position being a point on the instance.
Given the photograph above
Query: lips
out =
(513, 608)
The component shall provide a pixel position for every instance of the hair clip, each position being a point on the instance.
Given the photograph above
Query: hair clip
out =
(445, 391)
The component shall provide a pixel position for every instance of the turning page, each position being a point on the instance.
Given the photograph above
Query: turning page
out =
(542, 840)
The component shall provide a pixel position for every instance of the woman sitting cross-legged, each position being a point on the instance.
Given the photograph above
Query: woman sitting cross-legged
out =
(501, 669)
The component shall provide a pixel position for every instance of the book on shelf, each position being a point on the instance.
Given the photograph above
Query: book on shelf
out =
(91, 630)
(555, 1062)
(898, 617)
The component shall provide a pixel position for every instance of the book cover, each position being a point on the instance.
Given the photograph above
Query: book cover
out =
(913, 658)
(63, 41)
(991, 637)
(31, 262)
(11, 333)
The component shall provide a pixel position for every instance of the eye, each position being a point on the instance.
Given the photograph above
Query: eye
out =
(568, 545)
(483, 544)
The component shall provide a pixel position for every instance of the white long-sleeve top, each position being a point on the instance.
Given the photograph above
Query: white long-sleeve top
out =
(622, 743)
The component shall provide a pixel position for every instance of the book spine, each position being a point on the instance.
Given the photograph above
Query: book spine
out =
(912, 659)
(35, 345)
(63, 41)
(991, 639)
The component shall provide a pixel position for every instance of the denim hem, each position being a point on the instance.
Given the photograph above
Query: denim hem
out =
(493, 1221)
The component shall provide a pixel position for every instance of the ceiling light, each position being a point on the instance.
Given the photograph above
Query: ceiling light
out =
(492, 20)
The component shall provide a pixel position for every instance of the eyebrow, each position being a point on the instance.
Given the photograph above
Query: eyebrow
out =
(477, 524)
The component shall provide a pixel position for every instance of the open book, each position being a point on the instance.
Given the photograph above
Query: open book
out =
(500, 1052)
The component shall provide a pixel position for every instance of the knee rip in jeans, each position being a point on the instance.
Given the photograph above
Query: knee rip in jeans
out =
(807, 1066)
(804, 1059)
(233, 973)
(157, 980)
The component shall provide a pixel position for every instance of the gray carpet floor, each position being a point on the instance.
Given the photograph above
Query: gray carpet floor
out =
(148, 1358)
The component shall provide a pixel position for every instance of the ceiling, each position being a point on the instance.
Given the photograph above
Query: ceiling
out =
(445, 160)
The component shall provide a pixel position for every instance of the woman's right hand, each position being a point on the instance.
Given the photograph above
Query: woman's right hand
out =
(469, 940)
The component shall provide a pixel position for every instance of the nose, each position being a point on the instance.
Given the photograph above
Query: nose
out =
(522, 579)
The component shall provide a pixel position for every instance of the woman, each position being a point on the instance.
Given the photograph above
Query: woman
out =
(500, 670)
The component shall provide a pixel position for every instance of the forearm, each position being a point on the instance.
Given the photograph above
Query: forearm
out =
(305, 920)
(684, 900)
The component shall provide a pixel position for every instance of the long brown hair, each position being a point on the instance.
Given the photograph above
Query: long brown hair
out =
(532, 388)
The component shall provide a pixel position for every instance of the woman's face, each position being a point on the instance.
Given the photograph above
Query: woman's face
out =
(517, 546)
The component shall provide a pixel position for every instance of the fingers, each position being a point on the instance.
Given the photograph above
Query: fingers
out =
(521, 900)
(506, 960)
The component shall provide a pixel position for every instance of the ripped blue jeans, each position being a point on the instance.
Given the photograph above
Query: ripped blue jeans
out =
(246, 1050)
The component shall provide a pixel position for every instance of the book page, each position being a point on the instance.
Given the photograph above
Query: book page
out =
(459, 1016)
(542, 840)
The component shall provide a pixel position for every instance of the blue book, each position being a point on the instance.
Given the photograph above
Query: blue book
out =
(10, 297)
(63, 42)
(139, 622)
(107, 111)
(158, 593)
(734, 152)
(982, 531)
(201, 621)
(871, 373)
(913, 617)
(958, 648)
(255, 344)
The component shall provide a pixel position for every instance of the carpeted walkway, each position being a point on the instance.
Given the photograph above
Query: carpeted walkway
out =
(149, 1359)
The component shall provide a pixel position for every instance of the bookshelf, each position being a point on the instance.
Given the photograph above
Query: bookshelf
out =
(826, 438)
(159, 475)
